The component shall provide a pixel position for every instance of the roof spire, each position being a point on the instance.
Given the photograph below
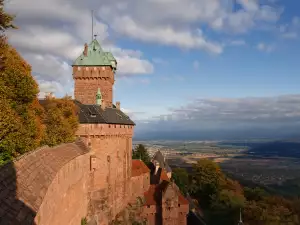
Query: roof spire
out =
(98, 97)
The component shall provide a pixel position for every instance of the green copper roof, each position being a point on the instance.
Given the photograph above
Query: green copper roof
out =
(96, 57)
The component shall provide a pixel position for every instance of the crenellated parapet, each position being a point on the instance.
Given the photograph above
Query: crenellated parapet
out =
(104, 73)
(105, 130)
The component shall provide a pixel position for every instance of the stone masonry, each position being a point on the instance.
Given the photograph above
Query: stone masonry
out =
(88, 79)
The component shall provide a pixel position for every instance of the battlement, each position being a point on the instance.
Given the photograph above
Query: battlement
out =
(98, 130)
(93, 72)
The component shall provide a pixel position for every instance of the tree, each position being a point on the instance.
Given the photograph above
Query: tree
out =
(206, 180)
(5, 18)
(61, 121)
(181, 179)
(21, 114)
(255, 194)
(140, 152)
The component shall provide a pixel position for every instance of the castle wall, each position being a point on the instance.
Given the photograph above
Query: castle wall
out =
(89, 79)
(112, 148)
(150, 214)
(44, 186)
(68, 189)
(139, 185)
(170, 206)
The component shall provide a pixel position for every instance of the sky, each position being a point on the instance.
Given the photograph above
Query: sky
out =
(197, 67)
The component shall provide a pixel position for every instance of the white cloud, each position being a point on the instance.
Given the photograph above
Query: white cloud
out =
(164, 35)
(292, 30)
(177, 23)
(52, 35)
(265, 47)
(228, 113)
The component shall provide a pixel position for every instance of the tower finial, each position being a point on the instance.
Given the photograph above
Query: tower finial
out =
(98, 97)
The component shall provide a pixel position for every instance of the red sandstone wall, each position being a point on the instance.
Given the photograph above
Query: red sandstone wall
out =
(149, 213)
(112, 147)
(170, 206)
(89, 79)
(66, 201)
(139, 185)
(45, 187)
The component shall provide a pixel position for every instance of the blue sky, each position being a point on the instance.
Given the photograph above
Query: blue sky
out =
(173, 54)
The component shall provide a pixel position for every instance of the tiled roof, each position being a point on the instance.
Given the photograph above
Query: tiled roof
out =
(152, 195)
(26, 180)
(164, 176)
(182, 200)
(159, 157)
(138, 168)
(95, 57)
(94, 114)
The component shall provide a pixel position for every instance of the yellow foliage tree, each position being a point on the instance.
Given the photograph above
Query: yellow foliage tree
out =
(20, 116)
(61, 121)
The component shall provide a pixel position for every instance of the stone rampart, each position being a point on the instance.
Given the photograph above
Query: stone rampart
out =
(47, 186)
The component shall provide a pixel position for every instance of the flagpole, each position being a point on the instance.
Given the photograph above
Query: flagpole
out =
(92, 25)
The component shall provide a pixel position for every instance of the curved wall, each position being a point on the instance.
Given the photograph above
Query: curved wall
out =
(47, 186)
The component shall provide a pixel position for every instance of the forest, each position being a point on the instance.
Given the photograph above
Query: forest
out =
(221, 198)
(25, 123)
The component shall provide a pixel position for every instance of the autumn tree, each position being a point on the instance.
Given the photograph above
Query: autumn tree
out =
(21, 114)
(5, 18)
(140, 152)
(206, 180)
(61, 121)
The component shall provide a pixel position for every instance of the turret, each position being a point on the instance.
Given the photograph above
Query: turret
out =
(94, 69)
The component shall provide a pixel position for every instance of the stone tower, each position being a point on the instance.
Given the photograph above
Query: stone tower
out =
(92, 70)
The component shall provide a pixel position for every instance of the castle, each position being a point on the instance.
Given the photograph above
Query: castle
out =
(95, 177)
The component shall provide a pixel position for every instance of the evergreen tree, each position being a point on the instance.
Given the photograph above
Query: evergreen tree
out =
(181, 179)
(140, 152)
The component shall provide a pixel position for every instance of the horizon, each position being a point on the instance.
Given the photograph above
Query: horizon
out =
(201, 69)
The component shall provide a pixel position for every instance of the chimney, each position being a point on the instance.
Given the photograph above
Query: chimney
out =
(85, 49)
(103, 105)
(118, 105)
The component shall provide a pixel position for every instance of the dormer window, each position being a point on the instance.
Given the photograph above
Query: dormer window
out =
(113, 63)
